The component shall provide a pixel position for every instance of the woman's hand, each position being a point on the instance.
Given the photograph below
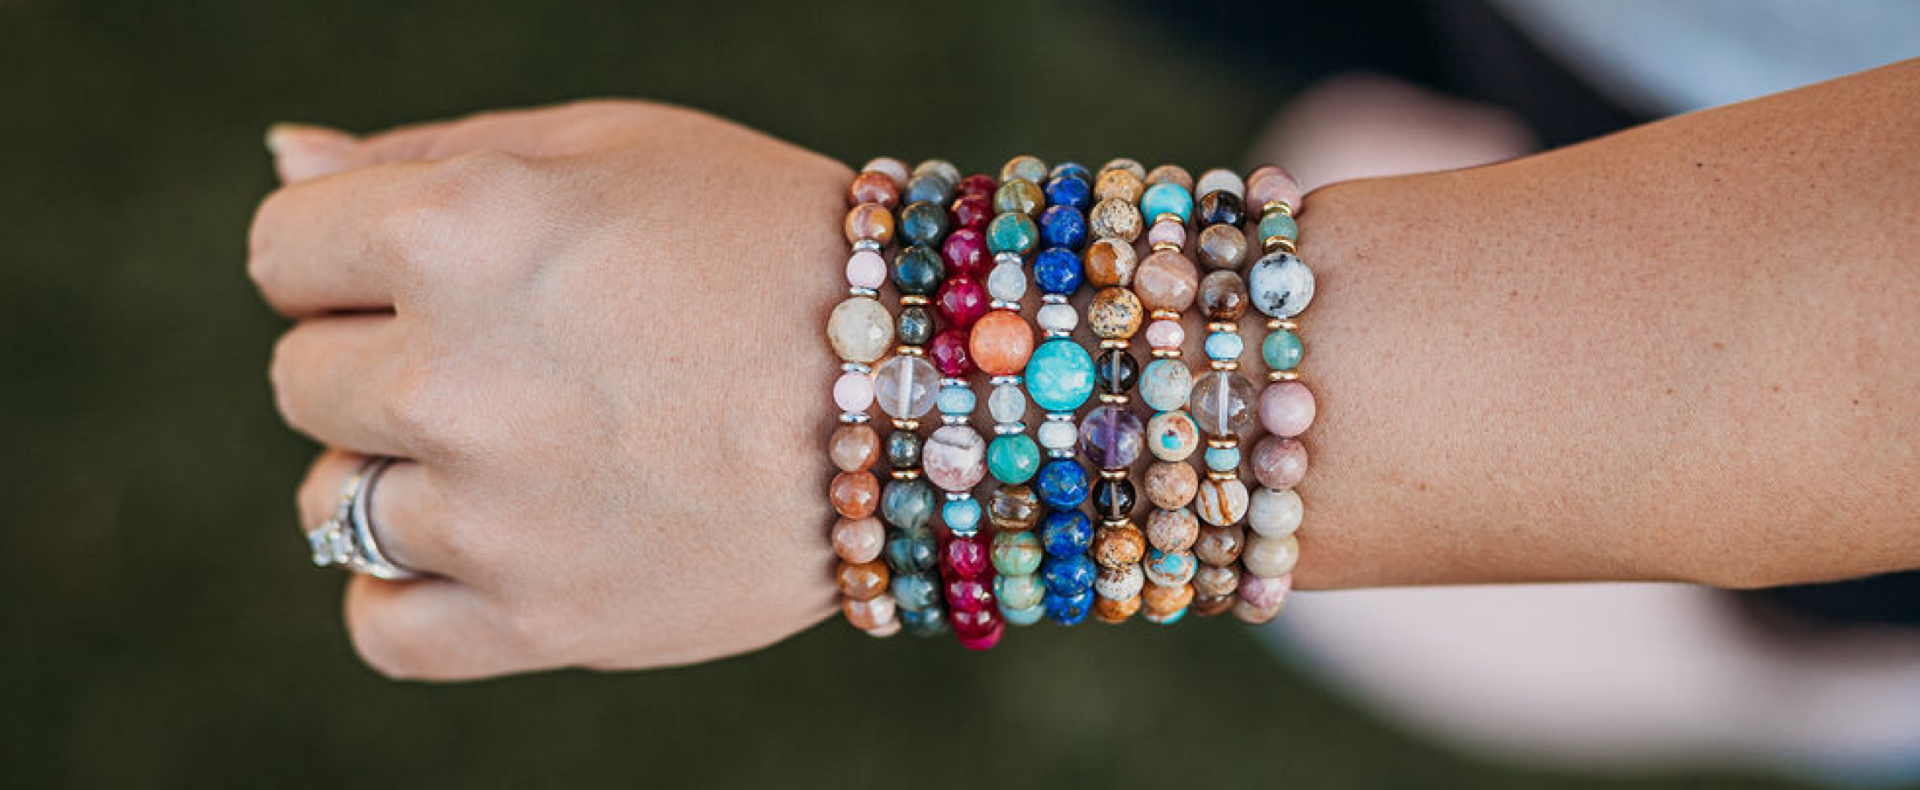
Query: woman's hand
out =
(578, 326)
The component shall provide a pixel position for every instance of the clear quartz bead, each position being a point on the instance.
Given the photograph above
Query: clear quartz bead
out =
(1222, 402)
(906, 386)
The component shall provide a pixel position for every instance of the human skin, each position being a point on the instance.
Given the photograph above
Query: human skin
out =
(1682, 352)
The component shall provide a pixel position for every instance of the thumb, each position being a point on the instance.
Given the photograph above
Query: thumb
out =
(302, 152)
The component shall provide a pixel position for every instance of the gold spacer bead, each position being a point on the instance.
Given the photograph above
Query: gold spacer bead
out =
(905, 474)
(1114, 474)
(1217, 475)
(1278, 244)
(911, 300)
(1224, 442)
(1115, 342)
(906, 425)
(1223, 364)
(1283, 375)
(1276, 205)
(1167, 217)
(1115, 523)
(1277, 324)
(1164, 315)
(1116, 399)
(1166, 353)
(911, 351)
(1223, 326)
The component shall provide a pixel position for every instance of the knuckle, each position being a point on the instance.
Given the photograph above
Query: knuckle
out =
(423, 415)
(452, 209)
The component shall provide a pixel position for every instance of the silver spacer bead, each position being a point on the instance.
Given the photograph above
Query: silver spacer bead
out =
(1051, 334)
(1060, 416)
(1001, 304)
(999, 380)
(866, 292)
(965, 533)
(1009, 428)
(855, 367)
(1009, 257)
(1053, 298)
(952, 382)
(955, 419)
(1060, 453)
(854, 418)
(959, 496)
(866, 245)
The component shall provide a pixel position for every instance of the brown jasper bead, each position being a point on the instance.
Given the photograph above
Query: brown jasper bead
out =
(873, 187)
(1114, 219)
(1171, 174)
(1254, 615)
(855, 448)
(1222, 247)
(1108, 610)
(1171, 486)
(854, 494)
(870, 614)
(1223, 296)
(863, 580)
(1164, 600)
(1211, 606)
(1122, 185)
(1220, 545)
(1117, 547)
(1019, 196)
(869, 221)
(1216, 581)
(1172, 530)
(1114, 313)
(1014, 507)
(1166, 280)
(1109, 263)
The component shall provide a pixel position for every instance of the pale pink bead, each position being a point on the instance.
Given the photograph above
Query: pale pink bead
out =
(1165, 334)
(866, 269)
(1286, 408)
(1279, 463)
(853, 392)
(1167, 232)
(1264, 593)
(1269, 184)
(954, 457)
(859, 540)
(894, 168)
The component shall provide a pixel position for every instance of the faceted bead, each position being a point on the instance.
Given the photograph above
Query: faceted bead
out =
(871, 613)
(1019, 196)
(967, 595)
(908, 504)
(1025, 167)
(1057, 320)
(1222, 247)
(1111, 610)
(1223, 296)
(1167, 231)
(1069, 609)
(1265, 592)
(1113, 499)
(1007, 282)
(853, 392)
(1221, 502)
(918, 270)
(1286, 408)
(978, 185)
(1017, 553)
(1114, 314)
(1001, 343)
(962, 516)
(1019, 590)
(970, 211)
(1074, 193)
(1224, 345)
(1268, 184)
(859, 539)
(955, 458)
(1222, 208)
(1221, 179)
(1223, 459)
(1279, 462)
(1066, 533)
(923, 623)
(922, 223)
(913, 326)
(1172, 436)
(1222, 402)
(1013, 508)
(1056, 270)
(1172, 485)
(905, 386)
(1216, 580)
(1110, 436)
(891, 167)
(1166, 280)
(1270, 557)
(869, 222)
(1022, 616)
(873, 188)
(961, 301)
(860, 329)
(1062, 484)
(1166, 335)
(1059, 375)
(1280, 284)
(1063, 227)
(949, 354)
(985, 638)
(866, 269)
(1276, 225)
(854, 494)
(1012, 232)
(1013, 458)
(1115, 371)
(862, 581)
(1282, 350)
(1162, 200)
(1166, 599)
(854, 448)
(1275, 512)
(1115, 219)
(1110, 263)
(1058, 434)
(1068, 575)
(915, 589)
(1166, 384)
(1169, 568)
(1172, 530)
(1220, 545)
(1116, 547)
(1120, 583)
(928, 188)
(903, 450)
(1119, 185)
(1007, 403)
(965, 252)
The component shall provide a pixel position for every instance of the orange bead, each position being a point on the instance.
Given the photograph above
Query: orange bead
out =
(1108, 610)
(869, 221)
(1164, 600)
(1000, 343)
(862, 581)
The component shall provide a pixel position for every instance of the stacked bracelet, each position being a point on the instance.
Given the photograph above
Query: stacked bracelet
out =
(1166, 284)
(1113, 434)
(1001, 345)
(1281, 286)
(1223, 301)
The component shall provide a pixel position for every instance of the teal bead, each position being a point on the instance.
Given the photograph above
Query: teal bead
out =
(1023, 616)
(1017, 553)
(1225, 345)
(1223, 459)
(962, 516)
(1166, 198)
(1165, 384)
(956, 399)
(1282, 350)
(1060, 375)
(908, 504)
(1011, 232)
(1278, 225)
(1019, 591)
(1013, 458)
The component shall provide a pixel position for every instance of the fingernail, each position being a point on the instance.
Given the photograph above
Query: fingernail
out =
(303, 151)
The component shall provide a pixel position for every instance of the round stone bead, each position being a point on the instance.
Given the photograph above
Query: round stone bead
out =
(860, 329)
(903, 450)
(1057, 320)
(1073, 170)
(1222, 208)
(1110, 436)
(956, 398)
(1222, 402)
(1280, 284)
(965, 252)
(1124, 163)
(1011, 232)
(916, 590)
(1216, 581)
(854, 448)
(1166, 384)
(854, 494)
(914, 325)
(1114, 314)
(1115, 219)
(871, 614)
(1017, 553)
(1222, 247)
(1282, 350)
(1069, 609)
(1223, 296)
(938, 168)
(962, 516)
(853, 392)
(961, 300)
(866, 269)
(862, 581)
(889, 166)
(1220, 545)
(1063, 227)
(1166, 599)
(955, 458)
(918, 270)
(1172, 530)
(1007, 403)
(1013, 507)
(924, 623)
(873, 187)
(858, 539)
(1071, 192)
(1210, 605)
(1251, 615)
(1166, 280)
(1265, 592)
(978, 185)
(1224, 345)
(1056, 270)
(1025, 167)
(922, 223)
(1279, 462)
(1270, 557)
(1169, 568)
(1286, 408)
(1013, 458)
(869, 222)
(1276, 225)
(968, 595)
(1058, 434)
(908, 504)
(1115, 611)
(1000, 343)
(1223, 459)
(1166, 335)
(1020, 590)
(949, 354)
(1168, 231)
(1061, 484)
(1275, 512)
(1118, 546)
(1119, 583)
(1269, 184)
(1022, 616)
(1066, 533)
(1113, 498)
(1220, 179)
(906, 386)
(1069, 575)
(1172, 485)
(910, 551)
(929, 188)
(986, 637)
(971, 211)
(1059, 375)
(1119, 184)
(1019, 196)
(1171, 174)
(1115, 371)
(1164, 199)
(1172, 436)
(1007, 282)
(1221, 502)
(1110, 263)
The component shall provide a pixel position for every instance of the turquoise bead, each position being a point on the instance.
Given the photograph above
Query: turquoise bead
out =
(1276, 224)
(956, 399)
(1225, 345)
(1023, 616)
(962, 516)
(1013, 458)
(1282, 350)
(1223, 459)
(1017, 553)
(1165, 384)
(1019, 591)
(1165, 198)
(1059, 375)
(1014, 233)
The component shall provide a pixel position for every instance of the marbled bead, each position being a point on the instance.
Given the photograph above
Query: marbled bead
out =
(1118, 546)
(922, 223)
(1119, 184)
(914, 590)
(1114, 314)
(1007, 403)
(1224, 346)
(1286, 408)
(1280, 284)
(978, 185)
(1066, 533)
(1069, 609)
(1056, 320)
(1013, 458)
(1115, 219)
(923, 623)
(1115, 610)
(1023, 615)
(854, 494)
(1172, 436)
(1110, 436)
(1165, 618)
(1282, 350)
(1275, 512)
(910, 551)
(902, 450)
(1173, 175)
(1068, 575)
(961, 300)
(866, 269)
(1223, 402)
(1166, 599)
(861, 581)
(854, 447)
(1166, 384)
(1268, 184)
(860, 329)
(869, 222)
(1277, 226)
(925, 188)
(965, 252)
(1165, 335)
(908, 504)
(1223, 296)
(1270, 557)
(1017, 553)
(853, 392)
(1218, 580)
(1222, 247)
(1279, 462)
(1074, 193)
(1110, 263)
(955, 458)
(1061, 226)
(872, 613)
(1220, 545)
(1221, 502)
(1057, 270)
(1020, 590)
(1169, 568)
(1210, 605)
(1167, 231)
(1166, 280)
(918, 270)
(970, 212)
(1019, 196)
(955, 399)
(1162, 200)
(1220, 179)
(1026, 167)
(1115, 371)
(1172, 530)
(1013, 508)
(1171, 485)
(894, 169)
(858, 539)
(1119, 583)
(1061, 484)
(962, 516)
(949, 355)
(1001, 343)
(938, 168)
(1221, 208)
(967, 595)
(1057, 434)
(1265, 592)
(1059, 375)
(1223, 459)
(1012, 232)
(1113, 498)
(905, 386)
(1007, 282)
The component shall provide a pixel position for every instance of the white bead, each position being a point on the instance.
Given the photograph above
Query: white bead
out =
(1275, 513)
(1058, 318)
(1007, 282)
(1120, 584)
(1007, 403)
(1219, 179)
(1058, 434)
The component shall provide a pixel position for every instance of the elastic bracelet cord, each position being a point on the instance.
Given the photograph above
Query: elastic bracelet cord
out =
(1280, 286)
(1001, 344)
(1223, 302)
(1166, 283)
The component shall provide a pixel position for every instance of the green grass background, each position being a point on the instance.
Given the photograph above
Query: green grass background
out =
(161, 626)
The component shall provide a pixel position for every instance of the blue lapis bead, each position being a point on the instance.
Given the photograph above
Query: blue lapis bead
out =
(956, 399)
(1074, 193)
(1165, 198)
(1225, 345)
(962, 516)
(1061, 484)
(1066, 533)
(1057, 271)
(1069, 609)
(1063, 226)
(1072, 170)
(1068, 575)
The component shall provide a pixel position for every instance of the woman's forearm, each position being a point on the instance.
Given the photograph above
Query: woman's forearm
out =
(1686, 351)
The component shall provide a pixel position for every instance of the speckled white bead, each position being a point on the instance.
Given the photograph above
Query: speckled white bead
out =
(1220, 179)
(1121, 583)
(1007, 282)
(1280, 285)
(1057, 319)
(1275, 513)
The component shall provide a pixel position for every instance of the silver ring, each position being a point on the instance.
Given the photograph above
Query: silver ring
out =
(346, 540)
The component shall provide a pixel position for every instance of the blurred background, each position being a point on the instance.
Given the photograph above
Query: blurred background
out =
(162, 627)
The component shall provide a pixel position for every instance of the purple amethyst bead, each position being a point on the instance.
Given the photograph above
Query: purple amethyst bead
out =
(1110, 436)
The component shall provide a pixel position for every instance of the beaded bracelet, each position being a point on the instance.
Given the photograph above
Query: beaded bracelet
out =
(1112, 435)
(1223, 301)
(1001, 344)
(1280, 286)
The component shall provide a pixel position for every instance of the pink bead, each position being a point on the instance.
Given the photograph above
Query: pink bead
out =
(1279, 463)
(968, 595)
(859, 539)
(1269, 184)
(866, 269)
(853, 392)
(1286, 408)
(967, 558)
(984, 640)
(1167, 232)
(954, 458)
(1165, 334)
(1264, 593)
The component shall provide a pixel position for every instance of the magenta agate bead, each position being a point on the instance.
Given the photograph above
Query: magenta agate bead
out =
(1286, 408)
(979, 185)
(961, 300)
(968, 595)
(1110, 436)
(966, 557)
(950, 355)
(965, 251)
(971, 211)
